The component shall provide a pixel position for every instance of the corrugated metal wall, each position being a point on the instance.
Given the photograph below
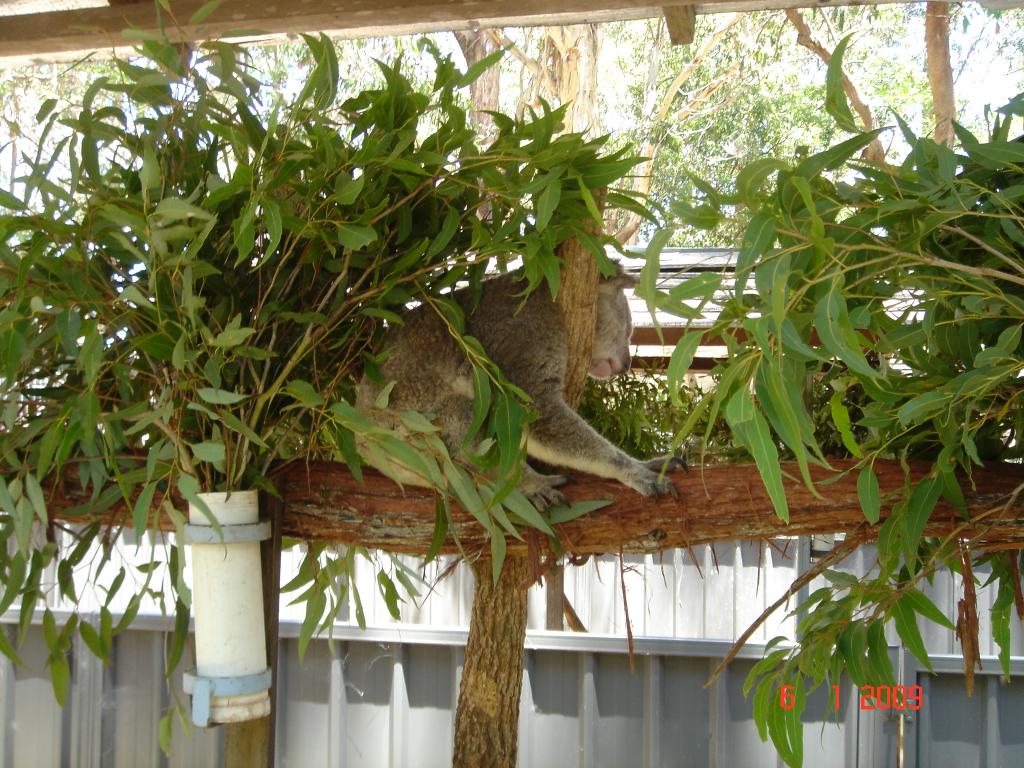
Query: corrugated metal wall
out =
(953, 731)
(375, 701)
(386, 696)
(369, 703)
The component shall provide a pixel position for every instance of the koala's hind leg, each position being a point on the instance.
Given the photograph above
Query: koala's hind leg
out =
(541, 490)
(455, 416)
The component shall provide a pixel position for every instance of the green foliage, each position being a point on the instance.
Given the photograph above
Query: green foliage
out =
(194, 268)
(757, 92)
(904, 286)
(650, 413)
(635, 413)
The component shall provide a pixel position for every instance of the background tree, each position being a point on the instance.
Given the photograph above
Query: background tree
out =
(940, 72)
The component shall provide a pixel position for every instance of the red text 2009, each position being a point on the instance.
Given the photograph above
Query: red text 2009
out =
(871, 697)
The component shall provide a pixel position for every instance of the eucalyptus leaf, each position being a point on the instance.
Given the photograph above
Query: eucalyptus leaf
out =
(220, 396)
(835, 92)
(750, 428)
(868, 493)
(209, 451)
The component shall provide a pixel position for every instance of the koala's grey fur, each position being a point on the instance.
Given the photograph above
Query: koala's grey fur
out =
(527, 342)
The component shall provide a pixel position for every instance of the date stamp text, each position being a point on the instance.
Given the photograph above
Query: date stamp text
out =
(881, 697)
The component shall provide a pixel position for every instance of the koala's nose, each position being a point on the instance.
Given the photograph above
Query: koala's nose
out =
(625, 362)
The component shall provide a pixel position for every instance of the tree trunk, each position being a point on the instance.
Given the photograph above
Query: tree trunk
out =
(577, 298)
(477, 45)
(940, 71)
(487, 719)
(572, 54)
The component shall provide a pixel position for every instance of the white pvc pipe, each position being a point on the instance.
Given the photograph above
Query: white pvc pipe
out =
(227, 604)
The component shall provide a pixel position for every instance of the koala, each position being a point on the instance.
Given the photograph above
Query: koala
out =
(527, 341)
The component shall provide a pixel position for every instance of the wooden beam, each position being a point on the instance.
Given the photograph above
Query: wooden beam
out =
(323, 502)
(41, 37)
(681, 21)
(670, 336)
(660, 363)
(42, 34)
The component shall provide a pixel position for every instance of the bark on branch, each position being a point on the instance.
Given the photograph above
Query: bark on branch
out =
(577, 297)
(324, 502)
(874, 152)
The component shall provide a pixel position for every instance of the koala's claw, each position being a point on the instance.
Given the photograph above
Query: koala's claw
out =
(651, 484)
(654, 481)
(546, 498)
(664, 485)
(668, 463)
(542, 492)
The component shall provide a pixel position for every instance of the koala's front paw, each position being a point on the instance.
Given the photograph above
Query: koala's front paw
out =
(541, 490)
(650, 483)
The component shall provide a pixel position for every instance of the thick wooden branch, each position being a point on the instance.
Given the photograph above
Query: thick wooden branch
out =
(728, 502)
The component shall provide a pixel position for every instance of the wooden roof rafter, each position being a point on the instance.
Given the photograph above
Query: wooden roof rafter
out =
(44, 35)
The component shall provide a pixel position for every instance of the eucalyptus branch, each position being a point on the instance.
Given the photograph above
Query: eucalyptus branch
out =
(839, 553)
(1016, 265)
(540, 72)
(691, 67)
(182, 448)
(805, 37)
(936, 261)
